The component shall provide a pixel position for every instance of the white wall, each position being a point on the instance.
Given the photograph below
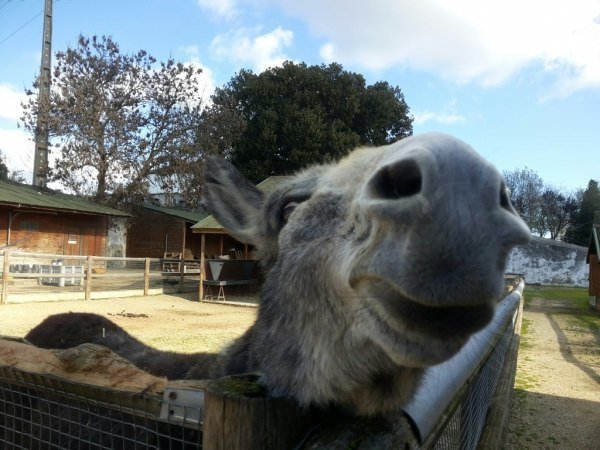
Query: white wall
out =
(116, 241)
(545, 261)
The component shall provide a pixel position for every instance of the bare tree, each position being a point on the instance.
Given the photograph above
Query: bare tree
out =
(547, 210)
(119, 122)
(526, 189)
(557, 210)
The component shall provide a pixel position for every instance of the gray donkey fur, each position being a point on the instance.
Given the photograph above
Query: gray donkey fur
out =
(377, 267)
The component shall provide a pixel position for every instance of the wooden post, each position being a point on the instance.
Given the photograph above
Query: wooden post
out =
(238, 414)
(182, 259)
(146, 276)
(202, 262)
(88, 278)
(5, 267)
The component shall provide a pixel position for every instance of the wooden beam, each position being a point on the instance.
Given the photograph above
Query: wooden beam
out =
(202, 262)
(182, 259)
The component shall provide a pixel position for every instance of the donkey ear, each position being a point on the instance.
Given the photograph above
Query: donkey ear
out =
(233, 200)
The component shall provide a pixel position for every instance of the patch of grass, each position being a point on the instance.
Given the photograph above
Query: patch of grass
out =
(575, 296)
(525, 334)
(525, 381)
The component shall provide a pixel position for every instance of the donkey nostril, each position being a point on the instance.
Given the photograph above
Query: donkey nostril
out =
(398, 180)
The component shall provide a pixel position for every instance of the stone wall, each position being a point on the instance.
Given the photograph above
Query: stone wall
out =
(545, 261)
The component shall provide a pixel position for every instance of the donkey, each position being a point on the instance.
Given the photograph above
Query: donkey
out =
(377, 267)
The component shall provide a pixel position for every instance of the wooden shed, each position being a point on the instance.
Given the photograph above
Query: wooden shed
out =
(159, 232)
(43, 220)
(593, 259)
(219, 247)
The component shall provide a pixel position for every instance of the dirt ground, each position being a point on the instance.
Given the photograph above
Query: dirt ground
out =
(166, 322)
(556, 403)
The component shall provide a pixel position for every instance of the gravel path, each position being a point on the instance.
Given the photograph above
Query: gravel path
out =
(556, 404)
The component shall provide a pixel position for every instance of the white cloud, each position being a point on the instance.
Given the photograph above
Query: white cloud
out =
(223, 8)
(447, 116)
(440, 117)
(207, 77)
(246, 46)
(18, 148)
(462, 40)
(10, 102)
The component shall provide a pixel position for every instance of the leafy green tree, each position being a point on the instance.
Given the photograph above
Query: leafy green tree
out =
(288, 117)
(119, 122)
(3, 169)
(583, 218)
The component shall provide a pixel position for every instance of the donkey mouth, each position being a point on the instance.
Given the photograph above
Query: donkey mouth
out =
(440, 322)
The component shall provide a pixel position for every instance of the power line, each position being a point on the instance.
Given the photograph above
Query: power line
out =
(21, 27)
(4, 4)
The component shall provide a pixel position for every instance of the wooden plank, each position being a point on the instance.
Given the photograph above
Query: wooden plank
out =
(202, 262)
(87, 363)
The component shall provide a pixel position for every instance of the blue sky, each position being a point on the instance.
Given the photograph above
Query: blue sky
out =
(519, 80)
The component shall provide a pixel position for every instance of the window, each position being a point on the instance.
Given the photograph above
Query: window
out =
(30, 225)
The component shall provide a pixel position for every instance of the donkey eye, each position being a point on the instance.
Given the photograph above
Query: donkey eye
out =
(287, 210)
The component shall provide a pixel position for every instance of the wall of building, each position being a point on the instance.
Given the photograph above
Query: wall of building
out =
(545, 261)
(60, 233)
(152, 234)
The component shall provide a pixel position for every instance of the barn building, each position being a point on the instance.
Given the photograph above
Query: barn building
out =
(37, 219)
(161, 232)
(593, 260)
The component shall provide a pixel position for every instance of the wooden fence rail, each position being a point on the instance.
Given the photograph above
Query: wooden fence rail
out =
(53, 277)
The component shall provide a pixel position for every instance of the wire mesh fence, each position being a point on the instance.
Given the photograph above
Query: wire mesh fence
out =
(461, 426)
(37, 276)
(465, 425)
(45, 412)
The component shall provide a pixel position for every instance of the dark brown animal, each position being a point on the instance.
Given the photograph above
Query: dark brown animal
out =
(71, 329)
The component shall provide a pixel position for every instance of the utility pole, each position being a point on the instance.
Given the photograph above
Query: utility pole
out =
(40, 160)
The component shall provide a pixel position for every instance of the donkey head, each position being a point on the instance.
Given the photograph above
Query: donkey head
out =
(392, 258)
